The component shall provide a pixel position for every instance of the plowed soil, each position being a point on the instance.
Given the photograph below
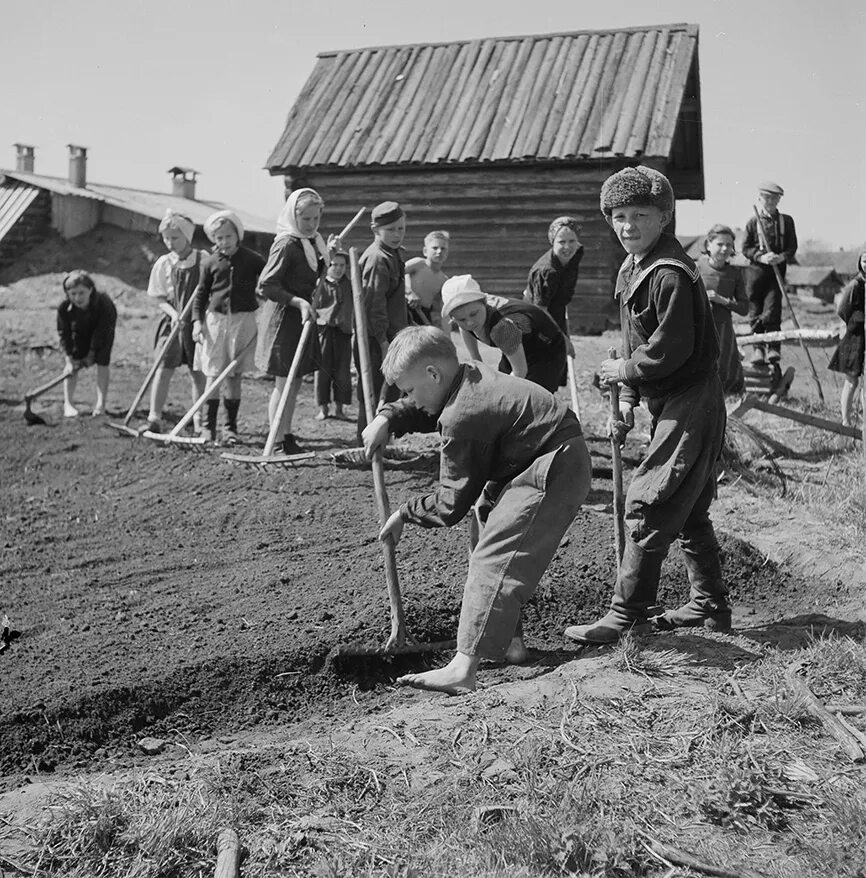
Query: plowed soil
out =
(160, 591)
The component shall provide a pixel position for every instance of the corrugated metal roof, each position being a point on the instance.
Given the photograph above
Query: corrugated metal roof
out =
(556, 97)
(14, 200)
(142, 201)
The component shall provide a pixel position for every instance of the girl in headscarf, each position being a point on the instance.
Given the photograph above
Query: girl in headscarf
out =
(553, 278)
(849, 355)
(298, 258)
(173, 280)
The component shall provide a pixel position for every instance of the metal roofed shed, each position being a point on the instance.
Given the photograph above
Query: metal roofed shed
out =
(493, 138)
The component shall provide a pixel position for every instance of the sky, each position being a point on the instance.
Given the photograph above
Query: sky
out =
(149, 85)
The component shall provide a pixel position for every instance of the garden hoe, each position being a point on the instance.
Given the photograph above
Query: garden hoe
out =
(124, 427)
(267, 457)
(29, 415)
(399, 642)
(197, 443)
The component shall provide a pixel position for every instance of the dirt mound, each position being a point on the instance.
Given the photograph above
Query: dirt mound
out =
(159, 592)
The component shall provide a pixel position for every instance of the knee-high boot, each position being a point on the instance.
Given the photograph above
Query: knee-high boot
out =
(708, 597)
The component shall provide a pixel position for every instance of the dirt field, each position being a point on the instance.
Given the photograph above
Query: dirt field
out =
(166, 593)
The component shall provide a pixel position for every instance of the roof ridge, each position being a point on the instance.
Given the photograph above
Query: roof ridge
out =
(691, 29)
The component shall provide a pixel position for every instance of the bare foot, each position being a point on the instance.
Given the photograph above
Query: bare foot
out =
(456, 678)
(517, 653)
(97, 411)
(69, 410)
(321, 414)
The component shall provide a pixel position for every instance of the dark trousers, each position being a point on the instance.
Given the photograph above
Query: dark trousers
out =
(333, 374)
(765, 302)
(670, 495)
(391, 393)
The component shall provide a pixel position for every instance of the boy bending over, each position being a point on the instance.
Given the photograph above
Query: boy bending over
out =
(511, 449)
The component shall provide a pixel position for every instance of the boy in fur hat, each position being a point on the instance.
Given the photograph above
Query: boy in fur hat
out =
(765, 297)
(383, 271)
(669, 359)
(224, 315)
(173, 280)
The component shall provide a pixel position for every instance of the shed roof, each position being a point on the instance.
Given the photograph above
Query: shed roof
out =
(14, 200)
(811, 275)
(141, 201)
(552, 97)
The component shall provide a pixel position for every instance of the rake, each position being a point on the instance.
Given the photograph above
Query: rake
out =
(197, 443)
(399, 642)
(267, 457)
(123, 426)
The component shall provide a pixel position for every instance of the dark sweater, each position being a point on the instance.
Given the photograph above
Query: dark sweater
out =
(228, 283)
(86, 330)
(780, 233)
(669, 338)
(551, 284)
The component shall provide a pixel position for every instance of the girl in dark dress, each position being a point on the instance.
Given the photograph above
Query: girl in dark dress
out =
(532, 345)
(849, 355)
(298, 258)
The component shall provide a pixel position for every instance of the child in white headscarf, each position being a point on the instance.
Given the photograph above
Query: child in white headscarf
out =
(298, 259)
(173, 280)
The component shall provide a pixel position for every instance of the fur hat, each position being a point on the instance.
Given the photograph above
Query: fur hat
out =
(460, 290)
(772, 188)
(640, 185)
(386, 213)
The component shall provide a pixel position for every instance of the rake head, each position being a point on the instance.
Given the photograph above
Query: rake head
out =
(186, 443)
(259, 462)
(125, 429)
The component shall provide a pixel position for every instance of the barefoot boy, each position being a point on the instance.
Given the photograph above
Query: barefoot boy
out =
(332, 301)
(508, 447)
(424, 279)
(670, 353)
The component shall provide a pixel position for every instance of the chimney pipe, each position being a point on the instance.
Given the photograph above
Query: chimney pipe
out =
(24, 157)
(183, 182)
(77, 165)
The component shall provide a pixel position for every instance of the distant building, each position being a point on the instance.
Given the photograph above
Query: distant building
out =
(32, 204)
(809, 281)
(493, 138)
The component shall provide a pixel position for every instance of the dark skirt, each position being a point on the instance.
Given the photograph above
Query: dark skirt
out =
(849, 355)
(279, 332)
(181, 352)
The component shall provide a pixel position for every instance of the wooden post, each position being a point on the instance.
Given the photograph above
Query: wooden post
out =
(782, 289)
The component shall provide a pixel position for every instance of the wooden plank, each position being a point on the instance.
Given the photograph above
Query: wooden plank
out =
(664, 124)
(809, 420)
(623, 77)
(635, 95)
(579, 102)
(540, 99)
(414, 96)
(664, 87)
(518, 105)
(567, 78)
(482, 108)
(830, 336)
(474, 148)
(429, 97)
(640, 126)
(603, 95)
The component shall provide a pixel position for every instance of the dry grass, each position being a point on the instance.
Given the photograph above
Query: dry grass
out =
(729, 768)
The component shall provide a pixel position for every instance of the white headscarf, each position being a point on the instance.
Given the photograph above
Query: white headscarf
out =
(217, 219)
(175, 220)
(287, 224)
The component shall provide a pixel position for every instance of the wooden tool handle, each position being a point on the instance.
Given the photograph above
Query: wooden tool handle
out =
(352, 223)
(309, 326)
(44, 388)
(175, 332)
(398, 619)
(228, 853)
(616, 466)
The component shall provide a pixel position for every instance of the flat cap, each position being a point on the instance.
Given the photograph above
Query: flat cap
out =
(386, 213)
(772, 188)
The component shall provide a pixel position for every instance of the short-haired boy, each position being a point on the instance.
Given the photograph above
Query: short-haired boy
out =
(86, 320)
(383, 284)
(424, 279)
(332, 300)
(509, 448)
(224, 316)
(765, 297)
(669, 359)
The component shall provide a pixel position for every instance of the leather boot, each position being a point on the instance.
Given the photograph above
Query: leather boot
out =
(635, 592)
(708, 598)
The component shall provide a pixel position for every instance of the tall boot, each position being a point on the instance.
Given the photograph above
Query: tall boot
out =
(707, 606)
(213, 407)
(635, 592)
(230, 435)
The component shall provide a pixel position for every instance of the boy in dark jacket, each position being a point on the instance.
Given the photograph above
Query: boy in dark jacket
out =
(670, 353)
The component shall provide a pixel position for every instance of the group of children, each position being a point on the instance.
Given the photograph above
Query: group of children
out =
(512, 456)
